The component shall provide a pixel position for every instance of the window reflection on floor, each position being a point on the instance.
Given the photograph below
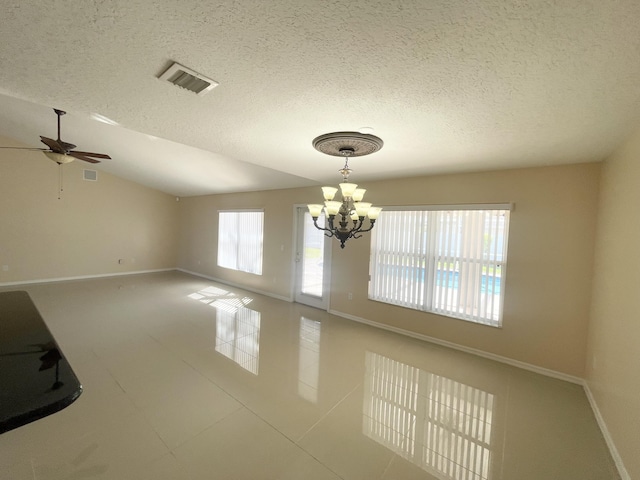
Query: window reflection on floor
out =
(220, 298)
(238, 337)
(309, 359)
(439, 424)
(237, 327)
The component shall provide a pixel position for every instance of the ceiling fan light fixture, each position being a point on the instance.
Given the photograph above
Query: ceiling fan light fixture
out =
(59, 158)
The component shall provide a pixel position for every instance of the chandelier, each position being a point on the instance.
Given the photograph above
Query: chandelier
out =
(351, 211)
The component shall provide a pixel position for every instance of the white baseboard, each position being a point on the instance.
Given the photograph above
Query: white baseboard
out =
(83, 277)
(624, 475)
(237, 285)
(474, 351)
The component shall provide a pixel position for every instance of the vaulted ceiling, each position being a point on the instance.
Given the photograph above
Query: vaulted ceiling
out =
(449, 86)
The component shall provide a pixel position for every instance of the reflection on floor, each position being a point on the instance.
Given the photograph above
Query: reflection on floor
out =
(187, 379)
(238, 337)
(309, 359)
(441, 425)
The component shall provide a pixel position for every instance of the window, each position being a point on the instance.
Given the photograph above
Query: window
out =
(240, 240)
(445, 260)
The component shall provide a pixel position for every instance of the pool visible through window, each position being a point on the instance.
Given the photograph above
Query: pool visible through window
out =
(447, 260)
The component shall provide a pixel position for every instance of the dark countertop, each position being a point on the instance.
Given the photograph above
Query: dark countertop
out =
(35, 378)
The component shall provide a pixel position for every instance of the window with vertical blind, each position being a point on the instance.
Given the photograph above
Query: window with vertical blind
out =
(449, 260)
(240, 235)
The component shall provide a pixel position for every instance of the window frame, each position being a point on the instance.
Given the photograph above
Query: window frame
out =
(426, 255)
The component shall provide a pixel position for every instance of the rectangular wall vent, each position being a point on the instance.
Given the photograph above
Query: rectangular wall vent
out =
(186, 78)
(91, 175)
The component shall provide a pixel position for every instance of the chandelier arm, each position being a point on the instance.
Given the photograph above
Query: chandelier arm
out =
(330, 219)
(372, 222)
(332, 227)
(329, 232)
(357, 225)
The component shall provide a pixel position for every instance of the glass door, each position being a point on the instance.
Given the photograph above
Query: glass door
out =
(312, 261)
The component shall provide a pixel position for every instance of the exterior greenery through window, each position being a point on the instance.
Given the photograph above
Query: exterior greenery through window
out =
(240, 236)
(448, 260)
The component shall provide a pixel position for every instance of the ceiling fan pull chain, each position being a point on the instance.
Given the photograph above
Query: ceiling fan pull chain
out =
(60, 181)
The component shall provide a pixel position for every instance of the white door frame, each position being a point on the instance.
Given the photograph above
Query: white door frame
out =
(296, 294)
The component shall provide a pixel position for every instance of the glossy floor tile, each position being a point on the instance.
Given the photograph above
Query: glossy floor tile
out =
(187, 379)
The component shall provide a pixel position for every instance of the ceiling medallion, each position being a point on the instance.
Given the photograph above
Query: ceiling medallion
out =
(351, 144)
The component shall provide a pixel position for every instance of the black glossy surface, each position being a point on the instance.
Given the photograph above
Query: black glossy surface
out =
(35, 378)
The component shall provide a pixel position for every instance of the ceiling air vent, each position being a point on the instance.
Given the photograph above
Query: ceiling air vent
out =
(91, 175)
(186, 78)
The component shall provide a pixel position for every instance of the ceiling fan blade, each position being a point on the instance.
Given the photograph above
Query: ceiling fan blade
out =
(79, 156)
(24, 148)
(54, 145)
(89, 154)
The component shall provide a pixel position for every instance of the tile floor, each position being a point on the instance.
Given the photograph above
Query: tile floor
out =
(187, 379)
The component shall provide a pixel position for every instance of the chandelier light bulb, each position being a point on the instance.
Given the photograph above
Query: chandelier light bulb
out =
(315, 210)
(374, 212)
(329, 192)
(333, 207)
(362, 208)
(347, 189)
(358, 194)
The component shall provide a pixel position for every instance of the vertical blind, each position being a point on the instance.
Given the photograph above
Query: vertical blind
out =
(446, 261)
(240, 236)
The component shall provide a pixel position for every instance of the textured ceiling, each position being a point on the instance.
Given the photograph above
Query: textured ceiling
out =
(449, 86)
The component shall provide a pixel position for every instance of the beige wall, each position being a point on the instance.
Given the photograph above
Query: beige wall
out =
(87, 231)
(613, 360)
(550, 257)
(199, 232)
